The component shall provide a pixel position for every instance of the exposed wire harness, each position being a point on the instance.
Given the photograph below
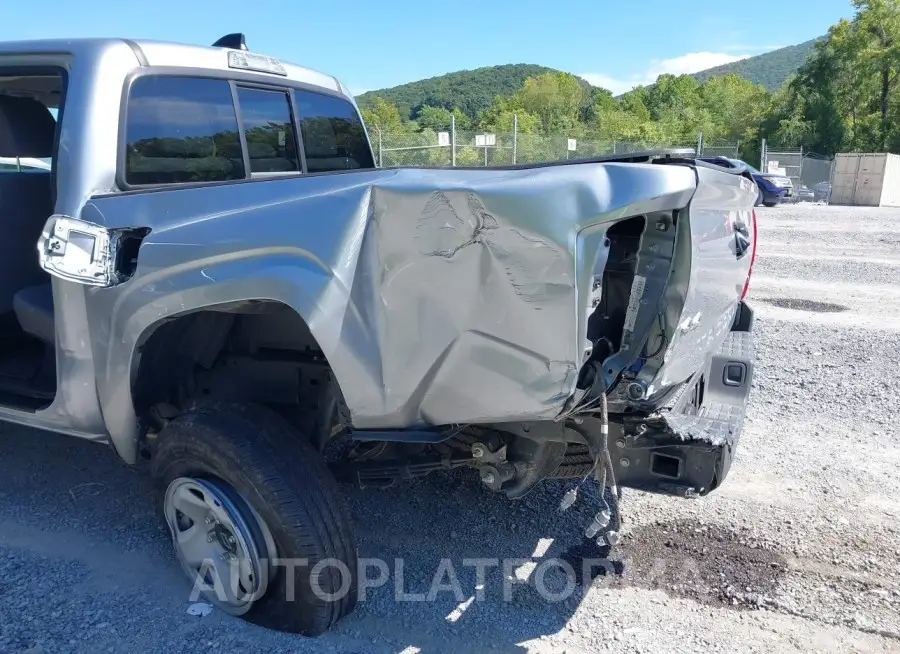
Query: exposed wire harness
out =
(603, 471)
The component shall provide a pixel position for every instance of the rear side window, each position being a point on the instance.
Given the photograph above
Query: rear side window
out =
(269, 129)
(333, 135)
(181, 129)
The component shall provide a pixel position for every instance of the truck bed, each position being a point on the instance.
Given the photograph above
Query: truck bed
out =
(454, 296)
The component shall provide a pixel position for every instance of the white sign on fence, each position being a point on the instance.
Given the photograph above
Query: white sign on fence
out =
(573, 145)
(485, 140)
(443, 138)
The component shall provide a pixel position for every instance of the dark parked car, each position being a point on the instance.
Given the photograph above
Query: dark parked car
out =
(804, 194)
(773, 189)
(822, 191)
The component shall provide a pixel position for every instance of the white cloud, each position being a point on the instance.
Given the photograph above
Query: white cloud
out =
(617, 86)
(691, 62)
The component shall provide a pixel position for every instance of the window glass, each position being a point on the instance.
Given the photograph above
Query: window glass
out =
(181, 129)
(25, 165)
(738, 162)
(267, 123)
(30, 122)
(333, 135)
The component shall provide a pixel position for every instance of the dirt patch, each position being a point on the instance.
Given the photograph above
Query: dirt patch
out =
(800, 304)
(706, 563)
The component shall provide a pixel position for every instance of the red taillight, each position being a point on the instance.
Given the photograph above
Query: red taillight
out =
(752, 256)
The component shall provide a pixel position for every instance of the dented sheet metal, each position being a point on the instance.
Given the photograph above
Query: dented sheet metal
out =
(438, 296)
(695, 444)
(690, 289)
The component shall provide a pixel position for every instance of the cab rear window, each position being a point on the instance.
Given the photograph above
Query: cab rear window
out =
(180, 130)
(269, 131)
(333, 135)
(189, 130)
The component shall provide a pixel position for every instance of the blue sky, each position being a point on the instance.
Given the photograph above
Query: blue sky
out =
(377, 43)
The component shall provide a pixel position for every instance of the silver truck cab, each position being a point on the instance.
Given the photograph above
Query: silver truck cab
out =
(87, 84)
(210, 274)
(86, 124)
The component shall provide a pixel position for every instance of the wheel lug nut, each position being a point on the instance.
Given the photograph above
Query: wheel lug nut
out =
(210, 538)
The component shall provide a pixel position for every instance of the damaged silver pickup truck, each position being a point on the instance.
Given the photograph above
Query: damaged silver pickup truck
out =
(212, 276)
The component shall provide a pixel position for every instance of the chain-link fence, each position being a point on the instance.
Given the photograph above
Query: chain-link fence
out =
(730, 150)
(807, 170)
(815, 173)
(474, 148)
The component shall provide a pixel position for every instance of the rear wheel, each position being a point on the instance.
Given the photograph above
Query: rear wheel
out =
(771, 204)
(257, 521)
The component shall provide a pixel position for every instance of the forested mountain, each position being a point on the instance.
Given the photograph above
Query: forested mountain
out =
(770, 69)
(843, 96)
(473, 91)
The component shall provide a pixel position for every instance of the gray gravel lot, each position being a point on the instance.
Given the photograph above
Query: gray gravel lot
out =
(798, 551)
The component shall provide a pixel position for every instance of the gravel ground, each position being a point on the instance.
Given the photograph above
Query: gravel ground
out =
(798, 551)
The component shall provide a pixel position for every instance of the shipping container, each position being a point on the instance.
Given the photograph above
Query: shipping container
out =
(866, 180)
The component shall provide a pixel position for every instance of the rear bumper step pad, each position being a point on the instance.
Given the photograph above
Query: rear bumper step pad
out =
(686, 451)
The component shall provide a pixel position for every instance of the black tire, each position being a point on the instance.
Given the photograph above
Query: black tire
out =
(771, 204)
(286, 481)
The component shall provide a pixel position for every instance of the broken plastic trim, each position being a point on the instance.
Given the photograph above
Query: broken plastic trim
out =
(87, 253)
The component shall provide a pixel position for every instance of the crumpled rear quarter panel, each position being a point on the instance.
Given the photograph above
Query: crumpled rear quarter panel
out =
(438, 296)
(473, 311)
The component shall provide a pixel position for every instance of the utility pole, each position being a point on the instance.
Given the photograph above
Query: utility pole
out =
(515, 137)
(380, 159)
(453, 140)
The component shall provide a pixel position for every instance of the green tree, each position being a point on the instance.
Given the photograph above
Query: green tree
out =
(733, 108)
(878, 26)
(503, 114)
(555, 98)
(596, 101)
(462, 119)
(633, 102)
(383, 115)
(617, 123)
(845, 96)
(434, 118)
(672, 96)
(785, 122)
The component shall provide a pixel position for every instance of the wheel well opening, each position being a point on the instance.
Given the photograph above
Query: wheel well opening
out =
(257, 351)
